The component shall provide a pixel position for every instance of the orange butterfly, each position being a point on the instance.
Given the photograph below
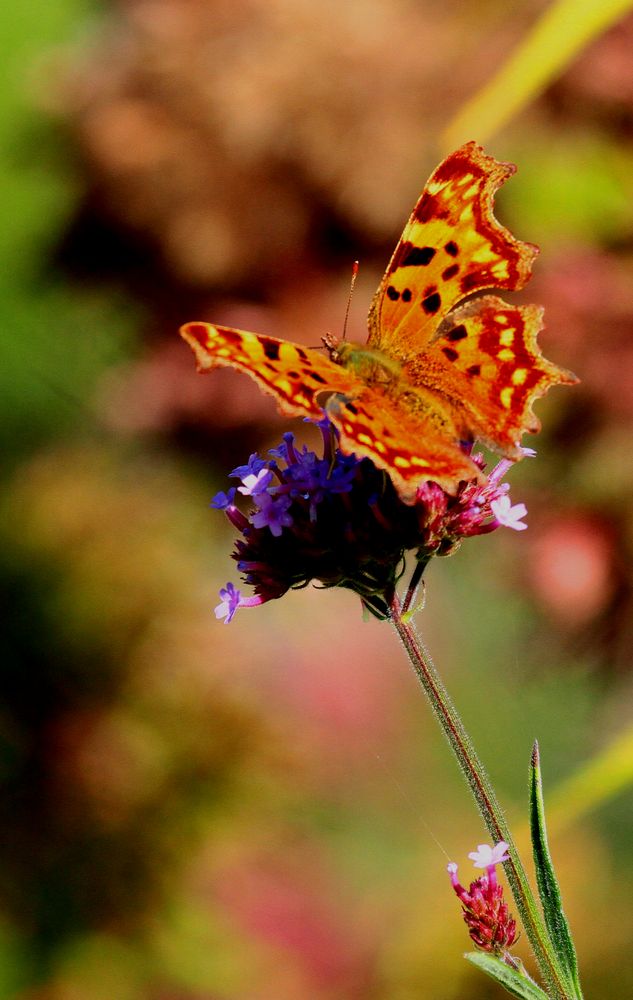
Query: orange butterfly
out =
(433, 373)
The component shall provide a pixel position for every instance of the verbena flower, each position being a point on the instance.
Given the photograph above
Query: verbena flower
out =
(485, 911)
(337, 520)
(509, 515)
(487, 857)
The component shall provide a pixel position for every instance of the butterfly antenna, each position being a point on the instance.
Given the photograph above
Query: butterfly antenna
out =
(349, 297)
(330, 341)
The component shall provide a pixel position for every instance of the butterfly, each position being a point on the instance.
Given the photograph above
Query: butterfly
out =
(444, 364)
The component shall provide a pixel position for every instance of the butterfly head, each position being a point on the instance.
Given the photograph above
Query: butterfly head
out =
(332, 344)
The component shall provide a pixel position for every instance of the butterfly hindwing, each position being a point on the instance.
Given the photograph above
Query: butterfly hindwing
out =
(486, 361)
(376, 427)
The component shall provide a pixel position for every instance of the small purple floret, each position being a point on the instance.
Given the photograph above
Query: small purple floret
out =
(254, 465)
(273, 513)
(509, 515)
(229, 603)
(255, 484)
(222, 501)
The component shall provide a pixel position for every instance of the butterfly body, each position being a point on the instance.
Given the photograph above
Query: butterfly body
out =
(443, 365)
(368, 363)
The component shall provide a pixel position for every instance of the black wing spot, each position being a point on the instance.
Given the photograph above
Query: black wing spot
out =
(302, 354)
(418, 257)
(317, 378)
(474, 370)
(451, 248)
(352, 409)
(393, 293)
(406, 295)
(271, 349)
(431, 303)
(457, 333)
(450, 272)
(450, 353)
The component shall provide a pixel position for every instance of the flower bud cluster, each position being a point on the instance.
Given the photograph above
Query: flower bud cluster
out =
(485, 911)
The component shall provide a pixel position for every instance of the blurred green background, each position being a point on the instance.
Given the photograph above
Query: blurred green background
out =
(193, 812)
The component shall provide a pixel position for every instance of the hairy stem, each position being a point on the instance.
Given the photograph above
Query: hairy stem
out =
(412, 589)
(486, 799)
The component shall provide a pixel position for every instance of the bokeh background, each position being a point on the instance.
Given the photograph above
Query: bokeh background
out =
(194, 812)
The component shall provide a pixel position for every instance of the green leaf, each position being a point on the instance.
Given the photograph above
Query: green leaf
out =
(555, 919)
(515, 982)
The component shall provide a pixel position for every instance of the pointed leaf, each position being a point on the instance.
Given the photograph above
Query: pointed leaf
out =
(511, 979)
(549, 891)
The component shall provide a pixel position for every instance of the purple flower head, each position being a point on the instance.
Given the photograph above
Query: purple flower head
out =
(337, 519)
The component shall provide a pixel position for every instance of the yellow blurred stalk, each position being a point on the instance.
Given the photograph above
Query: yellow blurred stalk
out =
(599, 780)
(563, 30)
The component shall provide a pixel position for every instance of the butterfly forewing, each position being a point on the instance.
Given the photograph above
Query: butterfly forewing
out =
(294, 375)
(451, 247)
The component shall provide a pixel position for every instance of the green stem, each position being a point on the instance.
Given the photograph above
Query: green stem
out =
(412, 589)
(486, 799)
